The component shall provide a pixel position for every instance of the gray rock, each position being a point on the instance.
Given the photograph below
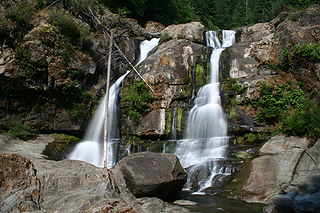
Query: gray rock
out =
(190, 31)
(272, 172)
(31, 183)
(153, 174)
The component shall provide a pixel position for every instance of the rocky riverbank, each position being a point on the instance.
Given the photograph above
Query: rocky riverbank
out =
(30, 183)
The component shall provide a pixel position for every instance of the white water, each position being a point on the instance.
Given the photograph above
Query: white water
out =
(206, 134)
(91, 148)
(145, 47)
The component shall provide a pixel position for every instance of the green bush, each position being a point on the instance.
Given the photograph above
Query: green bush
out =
(303, 122)
(274, 101)
(16, 128)
(299, 55)
(21, 13)
(136, 99)
(76, 33)
(165, 37)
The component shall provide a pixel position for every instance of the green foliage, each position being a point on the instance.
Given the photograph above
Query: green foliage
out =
(72, 31)
(165, 37)
(62, 138)
(298, 55)
(304, 121)
(275, 101)
(16, 128)
(136, 99)
(26, 66)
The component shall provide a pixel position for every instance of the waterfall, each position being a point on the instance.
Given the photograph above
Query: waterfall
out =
(145, 47)
(91, 148)
(206, 138)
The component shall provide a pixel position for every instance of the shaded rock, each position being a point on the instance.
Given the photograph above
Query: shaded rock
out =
(153, 174)
(272, 172)
(19, 185)
(190, 31)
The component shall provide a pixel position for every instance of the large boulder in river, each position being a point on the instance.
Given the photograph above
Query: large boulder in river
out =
(153, 174)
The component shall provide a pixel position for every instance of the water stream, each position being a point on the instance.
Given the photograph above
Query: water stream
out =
(204, 148)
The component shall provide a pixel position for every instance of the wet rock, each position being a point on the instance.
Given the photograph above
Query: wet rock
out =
(190, 31)
(153, 174)
(185, 203)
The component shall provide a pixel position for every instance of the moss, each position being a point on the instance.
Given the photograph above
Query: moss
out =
(168, 121)
(62, 138)
(179, 119)
(201, 78)
(165, 37)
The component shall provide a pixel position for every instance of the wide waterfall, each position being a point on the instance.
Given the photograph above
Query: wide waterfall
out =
(204, 147)
(91, 148)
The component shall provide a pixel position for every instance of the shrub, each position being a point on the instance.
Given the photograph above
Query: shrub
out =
(136, 98)
(165, 37)
(274, 101)
(76, 33)
(303, 122)
(16, 128)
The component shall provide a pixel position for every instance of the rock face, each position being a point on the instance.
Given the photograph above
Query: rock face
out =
(31, 183)
(190, 31)
(286, 175)
(52, 82)
(249, 61)
(153, 174)
(174, 70)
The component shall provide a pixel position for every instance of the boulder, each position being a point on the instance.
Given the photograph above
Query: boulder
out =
(191, 31)
(273, 171)
(153, 174)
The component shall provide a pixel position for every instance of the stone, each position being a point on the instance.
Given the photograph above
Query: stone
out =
(29, 182)
(185, 203)
(154, 27)
(153, 174)
(190, 31)
(273, 172)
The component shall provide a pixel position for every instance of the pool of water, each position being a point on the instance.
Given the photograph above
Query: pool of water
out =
(217, 204)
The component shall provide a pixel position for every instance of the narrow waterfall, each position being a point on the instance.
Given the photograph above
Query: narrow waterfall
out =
(145, 47)
(205, 143)
(91, 148)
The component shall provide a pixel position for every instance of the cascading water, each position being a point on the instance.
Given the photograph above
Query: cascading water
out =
(206, 134)
(91, 148)
(145, 47)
